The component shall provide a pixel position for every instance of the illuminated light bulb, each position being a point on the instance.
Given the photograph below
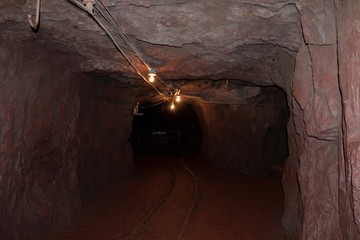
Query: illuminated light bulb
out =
(172, 107)
(178, 98)
(152, 77)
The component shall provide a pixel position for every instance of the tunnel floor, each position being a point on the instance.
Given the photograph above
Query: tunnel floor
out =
(164, 201)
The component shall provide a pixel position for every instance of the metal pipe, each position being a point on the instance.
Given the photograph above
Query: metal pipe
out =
(35, 25)
(81, 6)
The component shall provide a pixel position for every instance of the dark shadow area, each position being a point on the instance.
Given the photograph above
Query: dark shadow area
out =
(248, 137)
(104, 122)
(158, 128)
(275, 142)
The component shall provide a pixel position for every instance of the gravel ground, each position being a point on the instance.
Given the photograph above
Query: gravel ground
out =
(229, 206)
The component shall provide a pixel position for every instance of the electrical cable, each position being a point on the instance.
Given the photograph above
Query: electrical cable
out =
(126, 38)
(120, 32)
(113, 25)
(152, 105)
(123, 53)
(81, 6)
(109, 24)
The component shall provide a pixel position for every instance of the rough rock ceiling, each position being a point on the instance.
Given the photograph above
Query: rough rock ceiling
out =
(185, 40)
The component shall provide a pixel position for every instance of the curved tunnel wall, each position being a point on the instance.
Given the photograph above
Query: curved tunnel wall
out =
(60, 141)
(235, 136)
(39, 110)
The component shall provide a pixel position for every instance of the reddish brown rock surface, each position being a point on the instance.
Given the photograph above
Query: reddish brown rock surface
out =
(64, 126)
(49, 159)
(255, 139)
(349, 48)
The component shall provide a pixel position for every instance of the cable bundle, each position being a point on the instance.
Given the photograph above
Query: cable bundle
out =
(116, 33)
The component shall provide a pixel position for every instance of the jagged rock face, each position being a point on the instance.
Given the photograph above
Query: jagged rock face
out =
(349, 169)
(248, 138)
(57, 131)
(220, 52)
(321, 179)
(52, 131)
(183, 39)
(38, 144)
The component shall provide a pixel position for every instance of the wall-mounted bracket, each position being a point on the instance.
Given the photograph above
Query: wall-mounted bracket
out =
(89, 4)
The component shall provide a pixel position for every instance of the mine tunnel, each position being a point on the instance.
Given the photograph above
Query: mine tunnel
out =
(157, 127)
(179, 119)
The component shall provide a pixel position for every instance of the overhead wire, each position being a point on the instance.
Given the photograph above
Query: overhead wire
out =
(152, 105)
(126, 57)
(82, 7)
(121, 34)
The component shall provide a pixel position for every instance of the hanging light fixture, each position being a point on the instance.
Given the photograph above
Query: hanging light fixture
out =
(178, 98)
(152, 75)
(172, 106)
(177, 95)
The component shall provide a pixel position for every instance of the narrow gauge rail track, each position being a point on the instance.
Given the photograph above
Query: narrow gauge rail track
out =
(174, 173)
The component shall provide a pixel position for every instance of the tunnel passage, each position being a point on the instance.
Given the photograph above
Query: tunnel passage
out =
(308, 48)
(248, 136)
(80, 144)
(157, 126)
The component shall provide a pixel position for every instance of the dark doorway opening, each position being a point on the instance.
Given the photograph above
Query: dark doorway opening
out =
(159, 128)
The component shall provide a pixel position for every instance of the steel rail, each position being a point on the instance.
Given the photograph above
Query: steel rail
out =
(182, 234)
(185, 226)
(152, 211)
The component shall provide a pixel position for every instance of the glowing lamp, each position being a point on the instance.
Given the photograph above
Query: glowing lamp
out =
(178, 98)
(152, 75)
(172, 107)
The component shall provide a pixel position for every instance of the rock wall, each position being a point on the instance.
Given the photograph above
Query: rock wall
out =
(42, 145)
(316, 114)
(320, 182)
(237, 136)
(349, 74)
(105, 124)
(60, 141)
(38, 116)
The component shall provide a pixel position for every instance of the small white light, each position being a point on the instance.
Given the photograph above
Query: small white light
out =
(178, 98)
(172, 107)
(152, 77)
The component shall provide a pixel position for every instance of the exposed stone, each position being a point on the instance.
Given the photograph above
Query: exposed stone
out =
(38, 144)
(349, 49)
(64, 133)
(45, 149)
(239, 137)
(318, 19)
(183, 39)
(316, 114)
